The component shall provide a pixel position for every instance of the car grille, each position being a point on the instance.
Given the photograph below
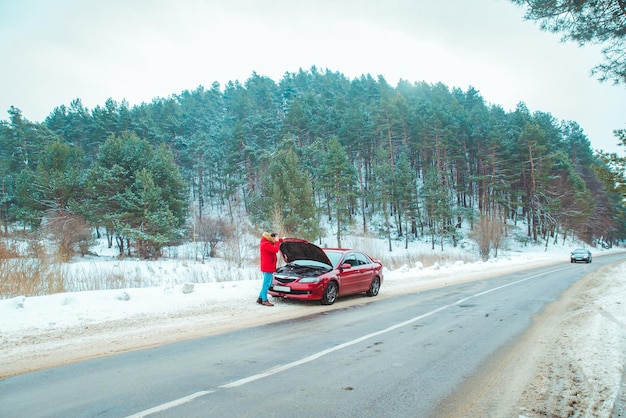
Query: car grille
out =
(285, 279)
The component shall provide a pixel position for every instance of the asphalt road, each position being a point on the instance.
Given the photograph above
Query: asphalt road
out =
(382, 358)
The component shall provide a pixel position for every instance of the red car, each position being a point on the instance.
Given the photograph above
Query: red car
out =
(312, 273)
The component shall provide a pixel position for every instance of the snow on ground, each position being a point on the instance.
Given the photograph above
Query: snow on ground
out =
(172, 300)
(174, 286)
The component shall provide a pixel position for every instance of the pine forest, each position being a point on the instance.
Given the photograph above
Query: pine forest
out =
(312, 152)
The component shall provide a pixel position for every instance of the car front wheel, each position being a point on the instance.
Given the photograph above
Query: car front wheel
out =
(330, 294)
(374, 287)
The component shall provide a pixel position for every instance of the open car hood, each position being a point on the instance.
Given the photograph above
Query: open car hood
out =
(298, 249)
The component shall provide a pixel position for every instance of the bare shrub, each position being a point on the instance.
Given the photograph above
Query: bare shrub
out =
(212, 231)
(70, 232)
(36, 248)
(238, 250)
(488, 233)
(277, 220)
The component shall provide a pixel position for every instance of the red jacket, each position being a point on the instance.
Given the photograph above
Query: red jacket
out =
(269, 247)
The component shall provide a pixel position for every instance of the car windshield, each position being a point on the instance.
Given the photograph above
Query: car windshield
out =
(580, 251)
(334, 257)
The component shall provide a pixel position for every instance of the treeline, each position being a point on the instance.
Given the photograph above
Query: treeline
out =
(412, 160)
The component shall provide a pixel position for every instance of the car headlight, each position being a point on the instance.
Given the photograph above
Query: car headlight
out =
(310, 280)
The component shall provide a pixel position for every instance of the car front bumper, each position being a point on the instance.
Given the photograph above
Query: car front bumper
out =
(577, 259)
(294, 290)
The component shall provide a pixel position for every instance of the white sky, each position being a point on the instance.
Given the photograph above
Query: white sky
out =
(54, 51)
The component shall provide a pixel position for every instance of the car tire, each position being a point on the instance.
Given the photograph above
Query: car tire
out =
(374, 287)
(330, 293)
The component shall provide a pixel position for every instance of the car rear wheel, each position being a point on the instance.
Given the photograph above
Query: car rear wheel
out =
(374, 287)
(330, 294)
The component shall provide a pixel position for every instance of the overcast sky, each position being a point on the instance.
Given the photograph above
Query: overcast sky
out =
(54, 51)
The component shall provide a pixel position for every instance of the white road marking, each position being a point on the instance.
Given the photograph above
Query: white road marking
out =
(282, 368)
(168, 405)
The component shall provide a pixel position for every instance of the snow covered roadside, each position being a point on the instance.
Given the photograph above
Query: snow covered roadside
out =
(23, 316)
(582, 367)
(41, 332)
(570, 363)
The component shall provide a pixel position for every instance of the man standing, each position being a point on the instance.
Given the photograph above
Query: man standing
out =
(269, 247)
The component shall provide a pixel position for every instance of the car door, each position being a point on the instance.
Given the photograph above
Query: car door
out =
(349, 276)
(366, 272)
(358, 277)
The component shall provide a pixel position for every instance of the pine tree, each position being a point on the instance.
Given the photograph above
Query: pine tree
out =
(138, 194)
(337, 178)
(287, 196)
(596, 22)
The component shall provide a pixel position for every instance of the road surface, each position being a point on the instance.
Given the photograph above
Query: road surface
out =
(452, 351)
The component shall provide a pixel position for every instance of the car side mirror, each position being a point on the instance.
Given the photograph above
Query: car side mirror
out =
(346, 266)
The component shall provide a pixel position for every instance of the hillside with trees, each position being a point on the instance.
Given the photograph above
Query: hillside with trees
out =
(313, 149)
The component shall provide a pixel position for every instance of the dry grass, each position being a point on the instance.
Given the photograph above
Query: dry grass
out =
(8, 250)
(29, 277)
(29, 272)
(396, 259)
(93, 278)
(394, 262)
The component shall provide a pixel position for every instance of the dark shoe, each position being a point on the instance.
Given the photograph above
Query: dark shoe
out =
(267, 303)
(259, 300)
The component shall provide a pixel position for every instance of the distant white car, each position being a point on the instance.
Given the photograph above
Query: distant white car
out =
(580, 254)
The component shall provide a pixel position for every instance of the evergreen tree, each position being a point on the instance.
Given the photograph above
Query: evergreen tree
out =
(56, 183)
(138, 194)
(8, 200)
(383, 189)
(436, 206)
(596, 22)
(405, 195)
(337, 179)
(146, 217)
(287, 197)
(73, 124)
(23, 145)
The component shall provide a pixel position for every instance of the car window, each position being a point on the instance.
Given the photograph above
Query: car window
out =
(351, 259)
(362, 259)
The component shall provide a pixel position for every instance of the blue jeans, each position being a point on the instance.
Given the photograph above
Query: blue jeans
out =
(267, 281)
